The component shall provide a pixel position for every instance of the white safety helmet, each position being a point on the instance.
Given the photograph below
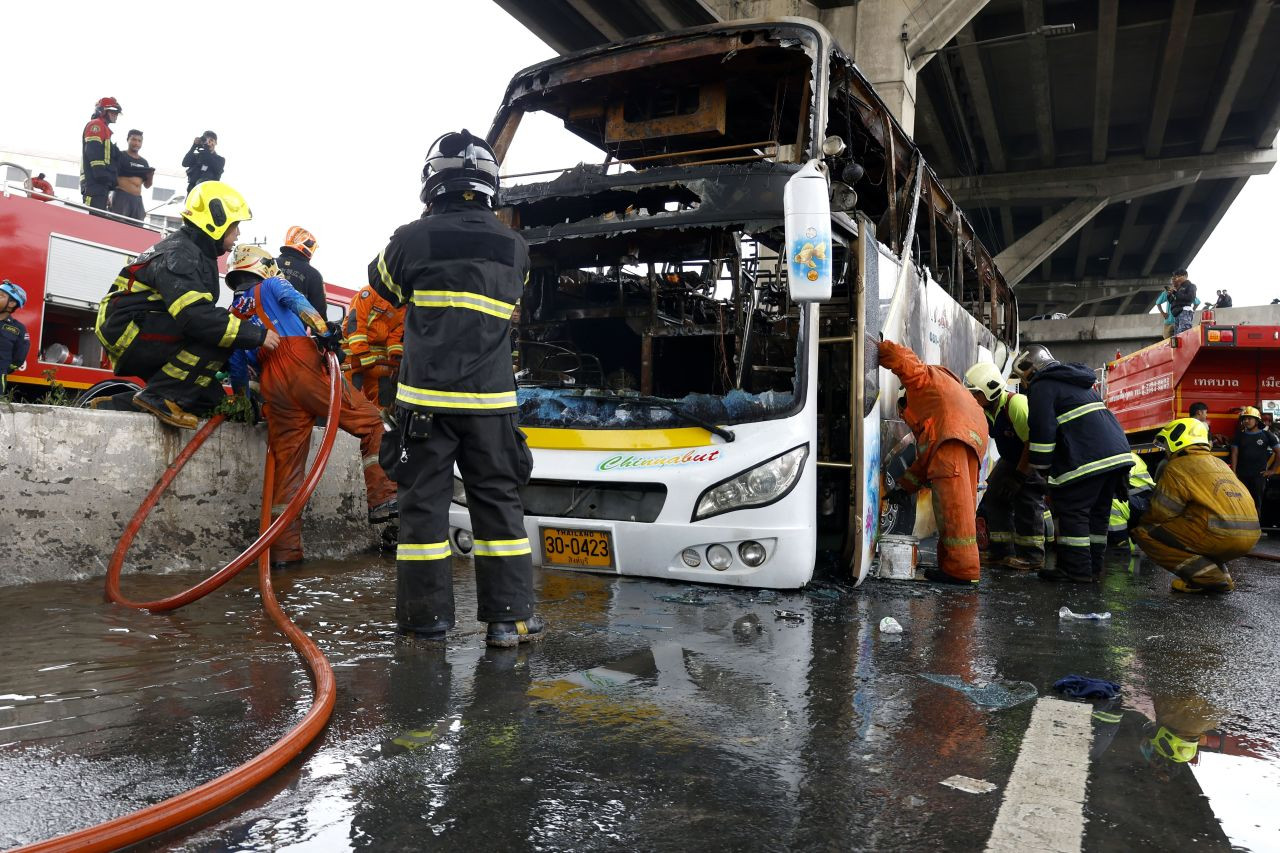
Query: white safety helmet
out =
(984, 378)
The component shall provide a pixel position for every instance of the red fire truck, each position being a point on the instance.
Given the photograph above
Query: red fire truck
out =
(1225, 367)
(66, 258)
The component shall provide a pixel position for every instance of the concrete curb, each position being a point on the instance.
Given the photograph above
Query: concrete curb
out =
(72, 479)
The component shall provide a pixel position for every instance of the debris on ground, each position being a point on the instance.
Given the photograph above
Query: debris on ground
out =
(1083, 687)
(789, 615)
(996, 695)
(1068, 613)
(685, 598)
(825, 592)
(968, 785)
(889, 625)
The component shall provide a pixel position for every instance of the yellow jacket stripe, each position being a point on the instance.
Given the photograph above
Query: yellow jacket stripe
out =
(233, 329)
(455, 399)
(1080, 411)
(386, 277)
(463, 299)
(186, 300)
(1095, 467)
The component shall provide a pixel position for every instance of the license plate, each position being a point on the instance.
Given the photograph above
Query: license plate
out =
(591, 549)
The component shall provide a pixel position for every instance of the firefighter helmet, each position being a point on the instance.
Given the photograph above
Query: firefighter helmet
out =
(249, 265)
(984, 378)
(15, 291)
(1250, 412)
(1031, 359)
(213, 207)
(457, 163)
(1180, 434)
(301, 239)
(105, 104)
(1168, 745)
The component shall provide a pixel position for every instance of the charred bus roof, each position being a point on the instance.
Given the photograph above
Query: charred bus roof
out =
(700, 130)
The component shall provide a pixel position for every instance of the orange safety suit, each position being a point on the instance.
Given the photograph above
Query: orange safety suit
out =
(951, 437)
(374, 341)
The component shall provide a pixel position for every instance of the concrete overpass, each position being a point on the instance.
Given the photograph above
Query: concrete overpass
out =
(1095, 162)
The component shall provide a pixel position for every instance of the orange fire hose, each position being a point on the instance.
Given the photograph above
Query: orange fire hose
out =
(144, 823)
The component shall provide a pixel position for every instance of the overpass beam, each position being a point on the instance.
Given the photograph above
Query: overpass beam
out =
(1040, 242)
(1118, 180)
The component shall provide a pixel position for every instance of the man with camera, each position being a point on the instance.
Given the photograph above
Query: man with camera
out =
(203, 162)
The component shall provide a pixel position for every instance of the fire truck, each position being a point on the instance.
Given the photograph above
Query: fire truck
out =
(1226, 367)
(66, 258)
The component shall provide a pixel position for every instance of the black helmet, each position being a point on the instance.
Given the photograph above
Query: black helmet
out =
(459, 162)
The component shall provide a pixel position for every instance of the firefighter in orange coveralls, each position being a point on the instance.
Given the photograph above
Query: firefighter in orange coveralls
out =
(374, 342)
(1201, 515)
(295, 390)
(951, 437)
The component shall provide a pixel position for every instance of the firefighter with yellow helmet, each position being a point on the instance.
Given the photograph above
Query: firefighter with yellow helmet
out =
(1201, 515)
(161, 321)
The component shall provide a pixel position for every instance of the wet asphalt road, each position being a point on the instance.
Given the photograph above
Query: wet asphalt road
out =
(655, 717)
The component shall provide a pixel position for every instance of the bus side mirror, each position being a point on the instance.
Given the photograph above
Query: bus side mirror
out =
(807, 217)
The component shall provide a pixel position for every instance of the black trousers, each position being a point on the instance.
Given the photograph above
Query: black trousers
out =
(1015, 524)
(1083, 511)
(1256, 484)
(174, 368)
(95, 196)
(494, 461)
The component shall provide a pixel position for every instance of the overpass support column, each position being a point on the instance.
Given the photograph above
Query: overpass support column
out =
(1041, 242)
(890, 40)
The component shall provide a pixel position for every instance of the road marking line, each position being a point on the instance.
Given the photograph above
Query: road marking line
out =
(1043, 806)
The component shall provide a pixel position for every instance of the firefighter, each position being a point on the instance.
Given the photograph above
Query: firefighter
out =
(1078, 442)
(1201, 515)
(1254, 451)
(951, 437)
(15, 343)
(1125, 513)
(1013, 505)
(374, 345)
(295, 390)
(98, 155)
(160, 321)
(294, 261)
(461, 273)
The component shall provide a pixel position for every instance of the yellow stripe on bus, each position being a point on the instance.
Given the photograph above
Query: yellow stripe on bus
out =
(551, 438)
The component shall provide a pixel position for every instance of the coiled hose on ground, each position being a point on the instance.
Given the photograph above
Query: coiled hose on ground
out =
(144, 823)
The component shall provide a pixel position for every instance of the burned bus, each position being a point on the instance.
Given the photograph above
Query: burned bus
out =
(695, 346)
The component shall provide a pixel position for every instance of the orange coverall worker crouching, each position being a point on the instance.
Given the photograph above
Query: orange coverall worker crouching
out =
(374, 339)
(295, 391)
(951, 437)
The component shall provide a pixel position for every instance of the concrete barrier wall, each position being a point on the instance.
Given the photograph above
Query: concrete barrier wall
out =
(72, 479)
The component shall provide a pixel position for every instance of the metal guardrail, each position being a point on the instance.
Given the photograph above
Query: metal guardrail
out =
(11, 188)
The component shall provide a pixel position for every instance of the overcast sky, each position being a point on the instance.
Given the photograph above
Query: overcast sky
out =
(325, 118)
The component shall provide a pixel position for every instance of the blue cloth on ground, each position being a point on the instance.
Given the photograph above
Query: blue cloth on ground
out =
(1083, 687)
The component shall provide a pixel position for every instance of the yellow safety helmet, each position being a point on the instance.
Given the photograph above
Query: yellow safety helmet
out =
(1171, 747)
(1180, 434)
(214, 206)
(984, 378)
(248, 260)
(1250, 412)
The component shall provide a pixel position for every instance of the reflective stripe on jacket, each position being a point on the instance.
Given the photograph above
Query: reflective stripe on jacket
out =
(1201, 501)
(1072, 434)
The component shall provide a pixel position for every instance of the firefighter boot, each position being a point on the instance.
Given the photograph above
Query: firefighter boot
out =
(167, 411)
(508, 635)
(1020, 564)
(1214, 578)
(934, 574)
(384, 511)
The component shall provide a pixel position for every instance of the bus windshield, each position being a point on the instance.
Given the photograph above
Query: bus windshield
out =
(650, 192)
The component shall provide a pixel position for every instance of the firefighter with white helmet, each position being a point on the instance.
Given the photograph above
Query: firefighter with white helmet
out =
(1201, 515)
(1013, 504)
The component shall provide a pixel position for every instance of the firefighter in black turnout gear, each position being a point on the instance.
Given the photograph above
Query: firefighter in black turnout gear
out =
(160, 320)
(461, 273)
(1078, 443)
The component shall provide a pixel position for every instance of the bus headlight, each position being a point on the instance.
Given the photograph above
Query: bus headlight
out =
(752, 553)
(719, 557)
(764, 484)
(459, 493)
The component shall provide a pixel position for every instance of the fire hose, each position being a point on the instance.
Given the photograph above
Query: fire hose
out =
(144, 823)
